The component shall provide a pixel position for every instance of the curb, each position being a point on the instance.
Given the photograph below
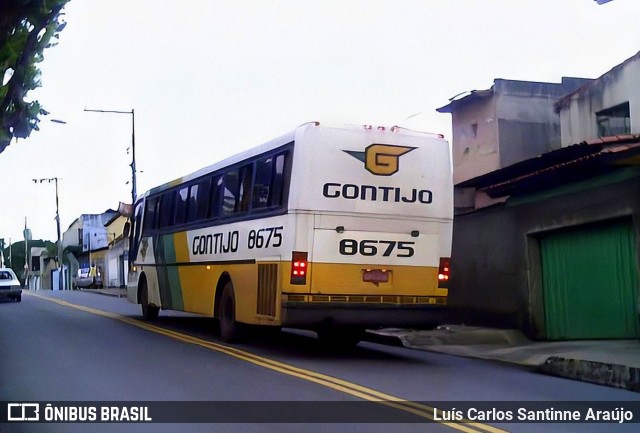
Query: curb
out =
(387, 340)
(601, 373)
(113, 294)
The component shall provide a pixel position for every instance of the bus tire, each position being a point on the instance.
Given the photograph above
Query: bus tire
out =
(229, 328)
(149, 312)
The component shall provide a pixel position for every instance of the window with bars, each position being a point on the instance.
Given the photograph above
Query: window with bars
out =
(614, 121)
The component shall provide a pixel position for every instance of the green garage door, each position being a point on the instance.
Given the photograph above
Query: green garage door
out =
(590, 282)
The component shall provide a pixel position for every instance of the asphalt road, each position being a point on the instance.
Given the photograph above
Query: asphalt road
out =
(84, 347)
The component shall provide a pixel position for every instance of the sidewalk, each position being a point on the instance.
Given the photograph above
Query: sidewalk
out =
(613, 363)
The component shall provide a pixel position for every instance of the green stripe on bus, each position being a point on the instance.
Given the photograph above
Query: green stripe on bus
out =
(171, 274)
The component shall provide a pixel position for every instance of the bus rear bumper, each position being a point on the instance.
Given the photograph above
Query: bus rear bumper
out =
(307, 315)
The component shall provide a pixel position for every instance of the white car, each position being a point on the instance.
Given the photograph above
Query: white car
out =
(10, 285)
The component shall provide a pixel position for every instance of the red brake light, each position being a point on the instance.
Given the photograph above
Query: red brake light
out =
(299, 268)
(444, 272)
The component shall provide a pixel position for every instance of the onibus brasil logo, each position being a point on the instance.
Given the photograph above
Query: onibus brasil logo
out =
(381, 159)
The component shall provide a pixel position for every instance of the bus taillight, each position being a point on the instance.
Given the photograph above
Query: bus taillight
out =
(443, 272)
(299, 267)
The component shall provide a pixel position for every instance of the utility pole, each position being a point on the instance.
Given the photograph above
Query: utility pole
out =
(134, 191)
(27, 267)
(60, 267)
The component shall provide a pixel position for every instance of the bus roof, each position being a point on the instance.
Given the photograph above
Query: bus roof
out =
(275, 143)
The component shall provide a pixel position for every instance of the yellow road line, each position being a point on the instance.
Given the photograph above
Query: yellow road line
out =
(334, 383)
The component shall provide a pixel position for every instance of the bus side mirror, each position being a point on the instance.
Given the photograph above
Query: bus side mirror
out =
(126, 229)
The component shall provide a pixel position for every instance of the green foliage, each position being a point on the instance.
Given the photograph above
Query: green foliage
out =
(27, 28)
(14, 255)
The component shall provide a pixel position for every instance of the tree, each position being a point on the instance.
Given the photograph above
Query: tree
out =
(14, 255)
(27, 27)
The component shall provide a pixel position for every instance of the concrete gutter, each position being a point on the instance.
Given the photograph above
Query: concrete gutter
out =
(602, 373)
(614, 363)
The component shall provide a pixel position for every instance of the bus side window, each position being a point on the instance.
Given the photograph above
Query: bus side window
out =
(198, 200)
(150, 213)
(262, 184)
(192, 203)
(136, 232)
(166, 210)
(277, 182)
(204, 194)
(231, 187)
(182, 196)
(244, 193)
(217, 194)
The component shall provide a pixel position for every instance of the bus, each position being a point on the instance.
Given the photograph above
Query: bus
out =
(334, 229)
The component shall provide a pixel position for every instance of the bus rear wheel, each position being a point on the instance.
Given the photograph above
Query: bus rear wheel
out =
(149, 312)
(229, 328)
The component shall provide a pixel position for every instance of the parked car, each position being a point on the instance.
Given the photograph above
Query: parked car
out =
(84, 281)
(10, 285)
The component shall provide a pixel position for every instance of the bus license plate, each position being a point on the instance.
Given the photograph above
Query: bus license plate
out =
(375, 276)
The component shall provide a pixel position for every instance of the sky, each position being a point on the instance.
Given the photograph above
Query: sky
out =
(210, 78)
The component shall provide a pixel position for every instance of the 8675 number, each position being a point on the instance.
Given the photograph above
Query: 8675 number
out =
(265, 238)
(370, 247)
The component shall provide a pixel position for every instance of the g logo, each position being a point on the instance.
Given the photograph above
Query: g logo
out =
(381, 159)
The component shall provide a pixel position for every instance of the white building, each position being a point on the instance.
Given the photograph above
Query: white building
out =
(88, 240)
(606, 107)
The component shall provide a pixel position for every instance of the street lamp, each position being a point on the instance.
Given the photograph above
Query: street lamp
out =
(60, 272)
(134, 192)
